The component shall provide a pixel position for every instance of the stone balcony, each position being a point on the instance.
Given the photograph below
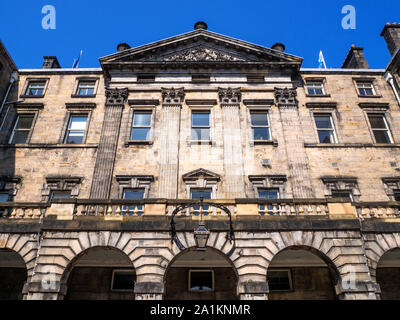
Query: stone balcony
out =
(70, 209)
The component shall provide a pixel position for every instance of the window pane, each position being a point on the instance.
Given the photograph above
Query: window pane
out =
(4, 197)
(133, 194)
(261, 134)
(396, 195)
(201, 119)
(377, 121)
(278, 280)
(61, 195)
(140, 134)
(24, 122)
(78, 123)
(85, 91)
(124, 281)
(20, 137)
(142, 119)
(268, 193)
(341, 194)
(200, 193)
(75, 137)
(323, 122)
(259, 119)
(200, 134)
(325, 136)
(382, 136)
(201, 281)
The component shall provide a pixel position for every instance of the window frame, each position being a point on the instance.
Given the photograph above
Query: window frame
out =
(201, 111)
(261, 111)
(290, 277)
(331, 117)
(150, 126)
(313, 82)
(28, 81)
(70, 115)
(12, 133)
(129, 125)
(387, 124)
(81, 81)
(190, 271)
(114, 271)
(373, 89)
(51, 196)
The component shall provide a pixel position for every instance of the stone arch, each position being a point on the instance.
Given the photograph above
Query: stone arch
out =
(225, 276)
(13, 274)
(24, 245)
(102, 264)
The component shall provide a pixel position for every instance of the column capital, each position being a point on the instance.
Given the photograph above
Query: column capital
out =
(116, 96)
(229, 96)
(172, 96)
(286, 97)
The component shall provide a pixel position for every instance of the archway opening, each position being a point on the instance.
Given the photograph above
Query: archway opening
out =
(388, 275)
(201, 275)
(301, 273)
(13, 275)
(100, 273)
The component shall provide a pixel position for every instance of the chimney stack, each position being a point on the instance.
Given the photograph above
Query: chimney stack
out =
(355, 59)
(123, 46)
(391, 33)
(279, 47)
(50, 62)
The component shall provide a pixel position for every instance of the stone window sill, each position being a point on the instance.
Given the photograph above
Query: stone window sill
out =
(200, 142)
(83, 96)
(371, 96)
(264, 142)
(47, 146)
(351, 145)
(31, 96)
(138, 142)
(318, 95)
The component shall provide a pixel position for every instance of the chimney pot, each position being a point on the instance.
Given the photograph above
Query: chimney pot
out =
(391, 33)
(123, 46)
(278, 47)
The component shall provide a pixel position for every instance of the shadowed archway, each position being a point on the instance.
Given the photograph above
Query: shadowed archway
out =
(100, 273)
(201, 275)
(388, 275)
(13, 275)
(301, 273)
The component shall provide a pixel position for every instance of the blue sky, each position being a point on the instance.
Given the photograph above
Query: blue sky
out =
(305, 27)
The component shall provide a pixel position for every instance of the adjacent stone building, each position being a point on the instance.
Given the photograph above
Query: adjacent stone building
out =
(202, 167)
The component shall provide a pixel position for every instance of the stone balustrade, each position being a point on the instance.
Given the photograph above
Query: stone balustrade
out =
(117, 209)
(378, 210)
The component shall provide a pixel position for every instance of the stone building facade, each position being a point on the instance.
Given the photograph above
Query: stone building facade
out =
(298, 170)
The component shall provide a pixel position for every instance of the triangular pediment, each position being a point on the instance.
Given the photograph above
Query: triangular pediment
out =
(200, 46)
(201, 174)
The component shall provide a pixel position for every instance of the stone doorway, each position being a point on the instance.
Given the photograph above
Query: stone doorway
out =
(299, 273)
(13, 275)
(100, 273)
(201, 275)
(388, 275)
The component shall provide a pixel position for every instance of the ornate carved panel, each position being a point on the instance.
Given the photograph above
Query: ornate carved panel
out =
(172, 95)
(229, 95)
(10, 184)
(349, 184)
(116, 96)
(201, 178)
(269, 181)
(286, 97)
(202, 54)
(391, 185)
(72, 184)
(135, 181)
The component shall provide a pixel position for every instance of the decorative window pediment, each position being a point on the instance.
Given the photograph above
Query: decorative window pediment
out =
(10, 184)
(56, 184)
(201, 178)
(134, 182)
(340, 185)
(269, 181)
(392, 187)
